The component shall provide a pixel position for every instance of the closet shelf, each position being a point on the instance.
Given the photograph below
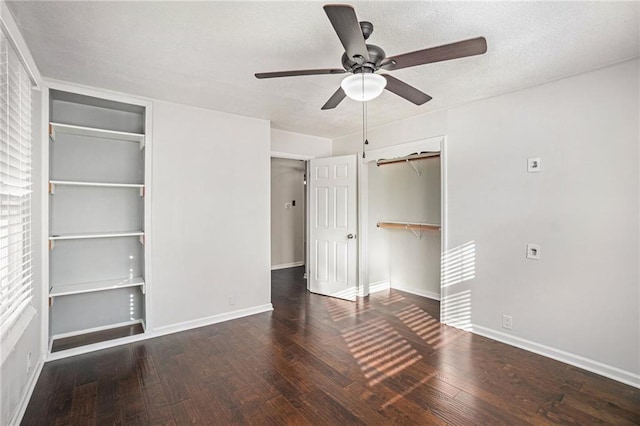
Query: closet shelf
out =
(53, 183)
(409, 225)
(59, 128)
(416, 228)
(412, 157)
(68, 289)
(82, 236)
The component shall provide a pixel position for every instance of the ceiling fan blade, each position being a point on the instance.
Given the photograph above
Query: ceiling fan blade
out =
(335, 99)
(460, 49)
(299, 72)
(403, 90)
(345, 23)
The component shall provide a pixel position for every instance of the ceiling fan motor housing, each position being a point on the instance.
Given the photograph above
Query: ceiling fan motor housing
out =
(376, 56)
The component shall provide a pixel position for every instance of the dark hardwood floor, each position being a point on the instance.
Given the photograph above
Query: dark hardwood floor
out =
(317, 360)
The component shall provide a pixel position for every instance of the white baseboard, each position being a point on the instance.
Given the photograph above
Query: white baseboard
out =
(373, 288)
(416, 291)
(97, 346)
(161, 331)
(16, 418)
(286, 265)
(605, 370)
(379, 286)
(214, 319)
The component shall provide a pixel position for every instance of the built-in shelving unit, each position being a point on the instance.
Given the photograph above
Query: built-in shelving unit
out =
(97, 259)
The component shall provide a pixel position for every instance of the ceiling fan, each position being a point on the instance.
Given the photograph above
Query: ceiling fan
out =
(364, 60)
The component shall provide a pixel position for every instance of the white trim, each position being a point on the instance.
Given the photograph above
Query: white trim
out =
(605, 370)
(433, 144)
(214, 319)
(373, 288)
(444, 231)
(364, 286)
(161, 331)
(97, 346)
(18, 413)
(44, 218)
(417, 291)
(286, 265)
(379, 286)
(111, 95)
(8, 25)
(286, 155)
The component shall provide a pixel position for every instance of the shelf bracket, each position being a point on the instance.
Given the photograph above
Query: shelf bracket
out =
(142, 191)
(415, 169)
(141, 238)
(416, 233)
(52, 133)
(52, 188)
(50, 301)
(141, 144)
(52, 244)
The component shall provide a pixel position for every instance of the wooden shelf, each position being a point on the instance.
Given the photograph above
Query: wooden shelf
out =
(409, 225)
(68, 289)
(96, 235)
(408, 158)
(58, 128)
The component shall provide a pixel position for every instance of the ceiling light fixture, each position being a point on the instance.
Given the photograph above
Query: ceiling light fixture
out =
(363, 86)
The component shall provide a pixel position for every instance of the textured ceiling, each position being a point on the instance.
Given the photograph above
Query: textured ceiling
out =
(205, 53)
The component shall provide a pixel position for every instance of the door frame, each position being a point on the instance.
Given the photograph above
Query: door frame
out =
(305, 206)
(437, 143)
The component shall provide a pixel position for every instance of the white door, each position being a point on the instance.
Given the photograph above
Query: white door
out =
(332, 226)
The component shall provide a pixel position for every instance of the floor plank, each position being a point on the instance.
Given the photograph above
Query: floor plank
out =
(384, 359)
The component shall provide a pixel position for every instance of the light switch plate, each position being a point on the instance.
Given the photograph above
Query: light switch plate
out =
(533, 251)
(534, 165)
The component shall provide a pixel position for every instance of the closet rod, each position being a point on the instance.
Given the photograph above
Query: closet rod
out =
(412, 157)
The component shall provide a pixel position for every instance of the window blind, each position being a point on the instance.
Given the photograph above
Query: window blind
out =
(15, 187)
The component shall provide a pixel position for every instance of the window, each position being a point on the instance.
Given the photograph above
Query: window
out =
(15, 187)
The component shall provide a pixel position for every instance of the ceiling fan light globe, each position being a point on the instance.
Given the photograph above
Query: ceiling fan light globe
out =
(373, 86)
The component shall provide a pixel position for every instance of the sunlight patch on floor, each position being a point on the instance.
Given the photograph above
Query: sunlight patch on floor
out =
(379, 350)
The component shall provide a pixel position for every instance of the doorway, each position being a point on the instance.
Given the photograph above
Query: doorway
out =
(288, 213)
(403, 205)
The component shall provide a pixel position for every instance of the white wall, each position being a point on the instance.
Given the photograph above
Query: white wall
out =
(409, 130)
(287, 224)
(16, 382)
(303, 146)
(581, 302)
(582, 296)
(210, 213)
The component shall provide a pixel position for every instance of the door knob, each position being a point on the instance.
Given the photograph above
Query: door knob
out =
(351, 236)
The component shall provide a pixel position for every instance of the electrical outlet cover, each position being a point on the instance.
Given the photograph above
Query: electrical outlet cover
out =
(533, 251)
(534, 165)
